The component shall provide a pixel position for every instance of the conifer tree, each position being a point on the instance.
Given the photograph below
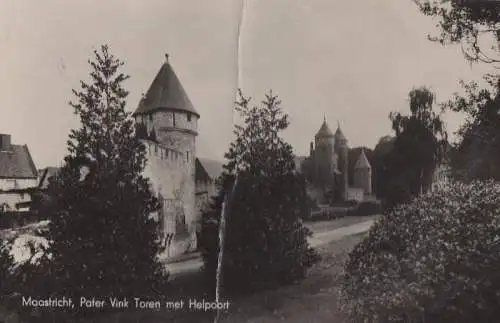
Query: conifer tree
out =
(265, 240)
(103, 240)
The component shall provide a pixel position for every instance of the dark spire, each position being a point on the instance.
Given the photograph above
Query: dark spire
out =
(166, 92)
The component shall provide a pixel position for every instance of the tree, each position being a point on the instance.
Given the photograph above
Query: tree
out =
(476, 25)
(472, 23)
(103, 240)
(380, 165)
(477, 154)
(419, 144)
(266, 242)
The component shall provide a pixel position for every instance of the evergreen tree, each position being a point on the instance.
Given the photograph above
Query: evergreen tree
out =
(103, 240)
(265, 243)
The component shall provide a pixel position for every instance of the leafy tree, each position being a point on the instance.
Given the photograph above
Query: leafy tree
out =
(477, 154)
(266, 242)
(474, 24)
(380, 165)
(419, 144)
(103, 240)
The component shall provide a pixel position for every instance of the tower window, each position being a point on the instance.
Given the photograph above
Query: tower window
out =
(189, 117)
(173, 118)
(187, 155)
(150, 117)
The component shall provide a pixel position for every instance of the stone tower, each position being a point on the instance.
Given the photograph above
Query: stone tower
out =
(171, 122)
(363, 173)
(342, 150)
(324, 157)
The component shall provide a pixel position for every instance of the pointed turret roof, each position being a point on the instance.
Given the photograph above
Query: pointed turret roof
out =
(324, 131)
(339, 135)
(165, 92)
(362, 162)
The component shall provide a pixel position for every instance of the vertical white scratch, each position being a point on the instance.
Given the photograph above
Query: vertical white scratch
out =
(240, 42)
(222, 233)
(222, 225)
(239, 47)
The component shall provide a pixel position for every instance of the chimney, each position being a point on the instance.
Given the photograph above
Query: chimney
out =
(5, 144)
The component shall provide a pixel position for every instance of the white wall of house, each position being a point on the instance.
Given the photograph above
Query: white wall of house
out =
(17, 183)
(11, 199)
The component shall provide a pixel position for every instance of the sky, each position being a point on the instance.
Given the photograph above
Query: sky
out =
(353, 61)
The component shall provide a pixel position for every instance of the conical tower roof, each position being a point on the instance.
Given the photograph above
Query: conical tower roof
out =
(324, 131)
(362, 162)
(166, 92)
(339, 135)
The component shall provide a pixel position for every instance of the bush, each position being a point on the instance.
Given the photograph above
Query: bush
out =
(434, 259)
(266, 243)
(6, 267)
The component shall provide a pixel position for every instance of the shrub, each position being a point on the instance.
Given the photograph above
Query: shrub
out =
(6, 267)
(434, 259)
(266, 243)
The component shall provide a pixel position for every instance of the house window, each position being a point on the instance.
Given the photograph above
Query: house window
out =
(150, 117)
(189, 117)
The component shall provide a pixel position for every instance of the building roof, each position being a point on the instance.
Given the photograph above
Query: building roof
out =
(324, 131)
(339, 135)
(165, 92)
(362, 162)
(45, 174)
(17, 163)
(209, 167)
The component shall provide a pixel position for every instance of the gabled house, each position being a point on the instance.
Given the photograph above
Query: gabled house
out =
(18, 176)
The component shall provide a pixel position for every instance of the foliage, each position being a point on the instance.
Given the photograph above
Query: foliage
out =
(266, 242)
(381, 166)
(419, 145)
(472, 23)
(103, 242)
(435, 259)
(6, 267)
(477, 154)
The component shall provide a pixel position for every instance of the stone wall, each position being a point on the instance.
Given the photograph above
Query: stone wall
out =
(171, 174)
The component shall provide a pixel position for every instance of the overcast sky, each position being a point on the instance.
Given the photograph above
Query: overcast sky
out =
(354, 61)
